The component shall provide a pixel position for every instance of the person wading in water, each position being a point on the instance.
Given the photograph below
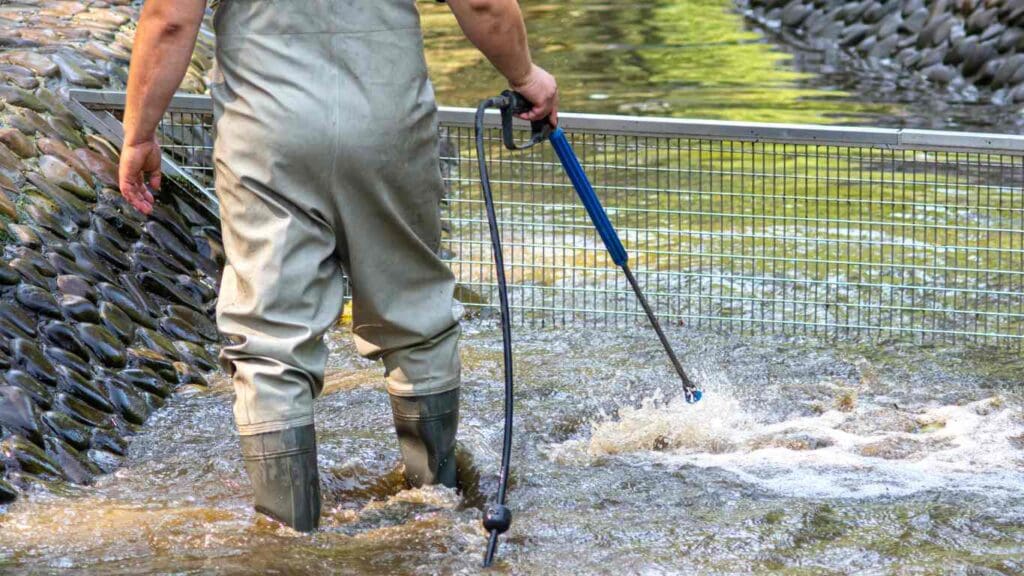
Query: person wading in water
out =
(326, 156)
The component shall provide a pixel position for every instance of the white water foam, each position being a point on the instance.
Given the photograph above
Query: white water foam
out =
(871, 451)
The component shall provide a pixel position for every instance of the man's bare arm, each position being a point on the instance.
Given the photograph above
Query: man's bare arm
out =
(163, 46)
(496, 28)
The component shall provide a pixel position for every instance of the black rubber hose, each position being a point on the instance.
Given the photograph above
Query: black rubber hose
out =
(497, 518)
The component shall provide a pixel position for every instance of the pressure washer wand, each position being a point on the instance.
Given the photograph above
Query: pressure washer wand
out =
(498, 517)
(614, 246)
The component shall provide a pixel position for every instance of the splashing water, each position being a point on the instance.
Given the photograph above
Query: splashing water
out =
(712, 425)
(869, 451)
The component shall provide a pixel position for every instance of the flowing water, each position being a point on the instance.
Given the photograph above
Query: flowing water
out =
(805, 457)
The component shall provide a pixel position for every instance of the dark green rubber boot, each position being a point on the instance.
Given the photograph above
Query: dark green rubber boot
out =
(285, 482)
(426, 427)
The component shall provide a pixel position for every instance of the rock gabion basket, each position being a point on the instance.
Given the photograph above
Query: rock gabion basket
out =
(962, 44)
(104, 313)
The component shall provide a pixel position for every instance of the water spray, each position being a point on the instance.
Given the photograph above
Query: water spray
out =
(498, 517)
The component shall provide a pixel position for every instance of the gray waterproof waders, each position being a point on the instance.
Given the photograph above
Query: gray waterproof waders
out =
(327, 160)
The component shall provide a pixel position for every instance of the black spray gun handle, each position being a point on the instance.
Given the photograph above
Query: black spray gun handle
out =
(515, 104)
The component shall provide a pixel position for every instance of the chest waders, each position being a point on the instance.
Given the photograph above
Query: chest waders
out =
(498, 518)
(327, 161)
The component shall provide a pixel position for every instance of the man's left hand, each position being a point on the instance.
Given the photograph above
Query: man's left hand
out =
(140, 164)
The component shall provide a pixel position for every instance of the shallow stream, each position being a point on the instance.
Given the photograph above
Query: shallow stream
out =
(806, 456)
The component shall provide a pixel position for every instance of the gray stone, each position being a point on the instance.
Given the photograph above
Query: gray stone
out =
(65, 359)
(867, 44)
(888, 26)
(993, 30)
(118, 322)
(1006, 70)
(988, 71)
(146, 380)
(18, 414)
(129, 401)
(79, 309)
(63, 175)
(1010, 39)
(854, 34)
(78, 386)
(912, 6)
(979, 20)
(103, 345)
(976, 58)
(195, 355)
(959, 51)
(16, 141)
(884, 48)
(935, 32)
(158, 342)
(74, 73)
(19, 317)
(879, 10)
(30, 458)
(70, 430)
(76, 285)
(64, 336)
(75, 466)
(939, 73)
(37, 300)
(40, 393)
(29, 357)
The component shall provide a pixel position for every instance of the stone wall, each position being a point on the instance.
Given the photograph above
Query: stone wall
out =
(962, 45)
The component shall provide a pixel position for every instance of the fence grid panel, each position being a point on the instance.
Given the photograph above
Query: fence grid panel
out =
(836, 238)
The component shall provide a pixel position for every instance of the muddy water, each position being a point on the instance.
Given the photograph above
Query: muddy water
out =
(804, 458)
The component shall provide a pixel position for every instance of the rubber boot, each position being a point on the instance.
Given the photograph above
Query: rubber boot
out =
(285, 481)
(426, 427)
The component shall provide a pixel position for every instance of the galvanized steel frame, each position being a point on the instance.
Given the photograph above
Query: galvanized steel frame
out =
(892, 138)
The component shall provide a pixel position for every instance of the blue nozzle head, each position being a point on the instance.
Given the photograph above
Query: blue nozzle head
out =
(693, 396)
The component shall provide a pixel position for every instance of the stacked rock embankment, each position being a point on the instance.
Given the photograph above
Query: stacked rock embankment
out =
(104, 314)
(972, 46)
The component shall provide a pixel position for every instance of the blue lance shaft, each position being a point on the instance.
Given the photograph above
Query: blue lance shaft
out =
(614, 246)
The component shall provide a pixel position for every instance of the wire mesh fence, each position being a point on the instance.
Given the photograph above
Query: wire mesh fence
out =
(792, 229)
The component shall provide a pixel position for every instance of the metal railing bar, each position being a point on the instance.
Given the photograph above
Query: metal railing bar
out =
(115, 100)
(675, 127)
(111, 129)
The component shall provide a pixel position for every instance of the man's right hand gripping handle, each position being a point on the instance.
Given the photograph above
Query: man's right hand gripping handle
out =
(496, 28)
